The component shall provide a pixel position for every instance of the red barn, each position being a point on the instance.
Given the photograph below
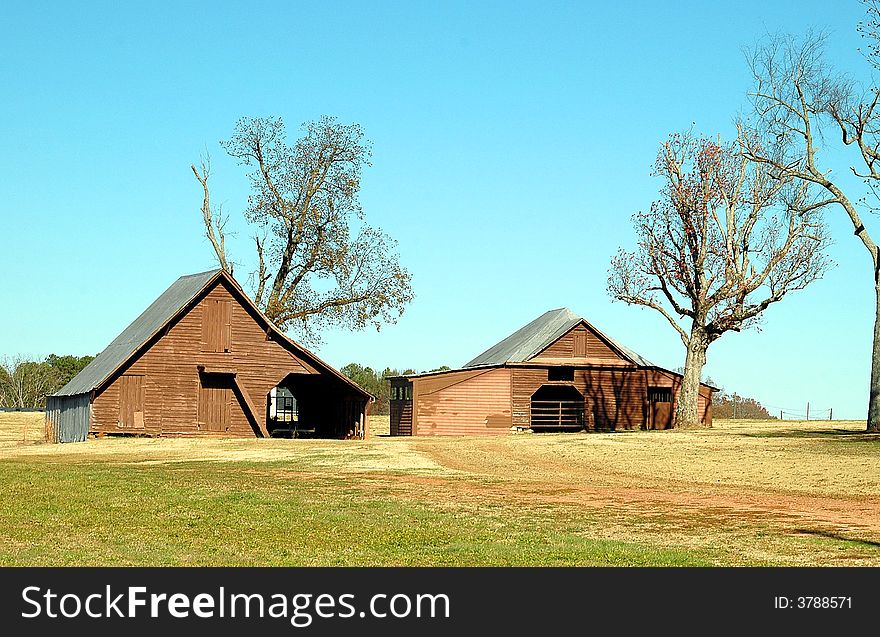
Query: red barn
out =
(556, 373)
(203, 360)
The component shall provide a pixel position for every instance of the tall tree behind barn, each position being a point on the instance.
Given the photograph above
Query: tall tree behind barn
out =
(202, 360)
(318, 263)
(725, 240)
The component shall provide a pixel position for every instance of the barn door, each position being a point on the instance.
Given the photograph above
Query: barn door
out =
(217, 325)
(580, 344)
(660, 404)
(131, 401)
(215, 395)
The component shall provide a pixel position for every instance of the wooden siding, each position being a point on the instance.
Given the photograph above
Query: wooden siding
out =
(491, 401)
(462, 403)
(578, 342)
(660, 378)
(613, 398)
(171, 378)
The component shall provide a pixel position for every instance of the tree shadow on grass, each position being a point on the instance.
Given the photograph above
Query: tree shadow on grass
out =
(830, 535)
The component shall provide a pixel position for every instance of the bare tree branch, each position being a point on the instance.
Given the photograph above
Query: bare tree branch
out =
(727, 239)
(215, 225)
(318, 263)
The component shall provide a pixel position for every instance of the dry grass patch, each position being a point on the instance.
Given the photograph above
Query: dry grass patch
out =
(741, 493)
(22, 428)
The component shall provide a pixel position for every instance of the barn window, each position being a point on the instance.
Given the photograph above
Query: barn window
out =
(560, 373)
(217, 326)
(403, 392)
(660, 394)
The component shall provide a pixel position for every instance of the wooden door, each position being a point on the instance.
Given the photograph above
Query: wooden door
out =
(131, 401)
(217, 326)
(580, 344)
(215, 395)
(661, 415)
(660, 407)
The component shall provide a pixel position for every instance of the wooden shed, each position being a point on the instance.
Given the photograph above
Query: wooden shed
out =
(557, 373)
(203, 360)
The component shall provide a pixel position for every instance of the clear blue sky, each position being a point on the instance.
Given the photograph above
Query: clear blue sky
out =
(512, 142)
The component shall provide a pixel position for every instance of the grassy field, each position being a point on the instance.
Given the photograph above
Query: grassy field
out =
(742, 493)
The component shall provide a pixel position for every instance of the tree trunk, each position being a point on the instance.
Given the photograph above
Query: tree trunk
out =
(687, 412)
(874, 398)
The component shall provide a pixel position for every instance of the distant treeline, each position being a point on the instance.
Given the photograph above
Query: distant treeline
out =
(734, 406)
(377, 382)
(24, 383)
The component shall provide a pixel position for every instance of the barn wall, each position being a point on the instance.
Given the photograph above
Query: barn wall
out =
(564, 347)
(614, 398)
(462, 403)
(658, 378)
(67, 418)
(171, 378)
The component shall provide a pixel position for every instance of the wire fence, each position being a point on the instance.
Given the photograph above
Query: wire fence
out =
(804, 413)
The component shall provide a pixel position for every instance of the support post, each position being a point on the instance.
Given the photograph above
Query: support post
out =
(250, 406)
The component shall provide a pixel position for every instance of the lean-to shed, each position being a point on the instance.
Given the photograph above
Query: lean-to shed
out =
(203, 360)
(556, 373)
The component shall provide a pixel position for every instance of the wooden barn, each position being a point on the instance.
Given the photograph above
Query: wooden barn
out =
(557, 373)
(202, 360)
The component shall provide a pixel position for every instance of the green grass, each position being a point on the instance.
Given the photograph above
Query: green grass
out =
(240, 514)
(738, 494)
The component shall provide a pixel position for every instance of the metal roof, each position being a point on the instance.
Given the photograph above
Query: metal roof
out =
(142, 329)
(528, 341)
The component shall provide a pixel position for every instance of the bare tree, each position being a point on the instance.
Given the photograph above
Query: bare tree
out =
(723, 243)
(318, 263)
(24, 383)
(798, 96)
(215, 222)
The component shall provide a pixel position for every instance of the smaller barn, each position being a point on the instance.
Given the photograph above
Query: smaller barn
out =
(203, 360)
(558, 373)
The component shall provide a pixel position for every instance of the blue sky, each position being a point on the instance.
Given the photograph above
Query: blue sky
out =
(512, 141)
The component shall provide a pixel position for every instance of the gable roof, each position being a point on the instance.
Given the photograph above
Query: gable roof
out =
(141, 330)
(162, 311)
(530, 340)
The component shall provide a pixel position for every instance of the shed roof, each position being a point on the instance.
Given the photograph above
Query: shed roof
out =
(530, 340)
(144, 327)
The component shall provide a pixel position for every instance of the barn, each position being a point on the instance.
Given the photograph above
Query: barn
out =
(557, 373)
(203, 360)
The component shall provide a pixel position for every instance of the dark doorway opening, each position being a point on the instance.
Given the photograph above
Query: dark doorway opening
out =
(314, 406)
(557, 408)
